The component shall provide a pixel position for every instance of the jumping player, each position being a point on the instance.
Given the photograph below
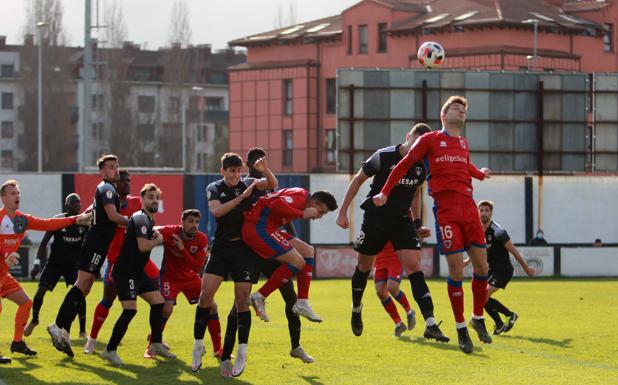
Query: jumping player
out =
(458, 227)
(227, 199)
(131, 281)
(500, 268)
(129, 204)
(13, 226)
(62, 262)
(387, 277)
(106, 217)
(267, 269)
(399, 221)
(261, 232)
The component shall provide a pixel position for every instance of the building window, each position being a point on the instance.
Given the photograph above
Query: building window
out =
(97, 102)
(363, 39)
(7, 71)
(202, 133)
(288, 97)
(146, 104)
(350, 40)
(7, 158)
(214, 104)
(173, 104)
(7, 130)
(288, 147)
(201, 161)
(98, 133)
(608, 38)
(7, 100)
(146, 131)
(331, 146)
(382, 37)
(216, 78)
(331, 95)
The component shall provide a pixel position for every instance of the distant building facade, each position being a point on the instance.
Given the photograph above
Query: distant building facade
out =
(284, 97)
(138, 100)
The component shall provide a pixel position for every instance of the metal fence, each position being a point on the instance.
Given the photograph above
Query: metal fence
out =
(517, 121)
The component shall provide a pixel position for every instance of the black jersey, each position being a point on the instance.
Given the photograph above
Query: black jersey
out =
(229, 225)
(105, 194)
(131, 258)
(379, 166)
(67, 241)
(497, 255)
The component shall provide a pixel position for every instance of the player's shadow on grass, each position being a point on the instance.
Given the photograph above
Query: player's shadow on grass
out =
(312, 380)
(452, 345)
(564, 343)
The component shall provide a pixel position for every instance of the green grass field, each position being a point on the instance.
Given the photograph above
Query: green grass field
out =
(565, 335)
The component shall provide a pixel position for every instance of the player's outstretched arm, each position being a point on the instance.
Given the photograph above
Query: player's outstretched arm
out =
(48, 224)
(513, 250)
(416, 153)
(353, 187)
(114, 216)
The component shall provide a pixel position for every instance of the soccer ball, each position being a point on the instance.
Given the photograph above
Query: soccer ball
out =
(431, 54)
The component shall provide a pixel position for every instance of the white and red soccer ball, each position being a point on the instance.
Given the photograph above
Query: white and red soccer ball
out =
(431, 54)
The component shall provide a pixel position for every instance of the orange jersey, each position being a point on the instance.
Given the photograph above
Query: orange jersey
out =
(13, 230)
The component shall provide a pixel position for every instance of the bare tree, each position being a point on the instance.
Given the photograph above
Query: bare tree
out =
(115, 25)
(49, 12)
(286, 16)
(180, 24)
(59, 120)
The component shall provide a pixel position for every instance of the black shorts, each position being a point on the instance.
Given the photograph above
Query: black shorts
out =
(94, 251)
(56, 268)
(499, 278)
(130, 284)
(236, 259)
(269, 266)
(377, 230)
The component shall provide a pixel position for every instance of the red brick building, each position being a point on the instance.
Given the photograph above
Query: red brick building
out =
(284, 97)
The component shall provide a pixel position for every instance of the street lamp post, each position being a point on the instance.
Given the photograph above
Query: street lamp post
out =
(40, 26)
(532, 59)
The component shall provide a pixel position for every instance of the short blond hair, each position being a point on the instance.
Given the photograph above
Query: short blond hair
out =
(453, 100)
(105, 158)
(487, 203)
(150, 187)
(5, 185)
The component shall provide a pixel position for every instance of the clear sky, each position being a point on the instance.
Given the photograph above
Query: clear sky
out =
(212, 21)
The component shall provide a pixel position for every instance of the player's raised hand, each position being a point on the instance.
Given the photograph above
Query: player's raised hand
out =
(379, 200)
(530, 271)
(157, 237)
(84, 219)
(178, 242)
(487, 172)
(342, 220)
(11, 259)
(261, 165)
(247, 193)
(311, 213)
(423, 232)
